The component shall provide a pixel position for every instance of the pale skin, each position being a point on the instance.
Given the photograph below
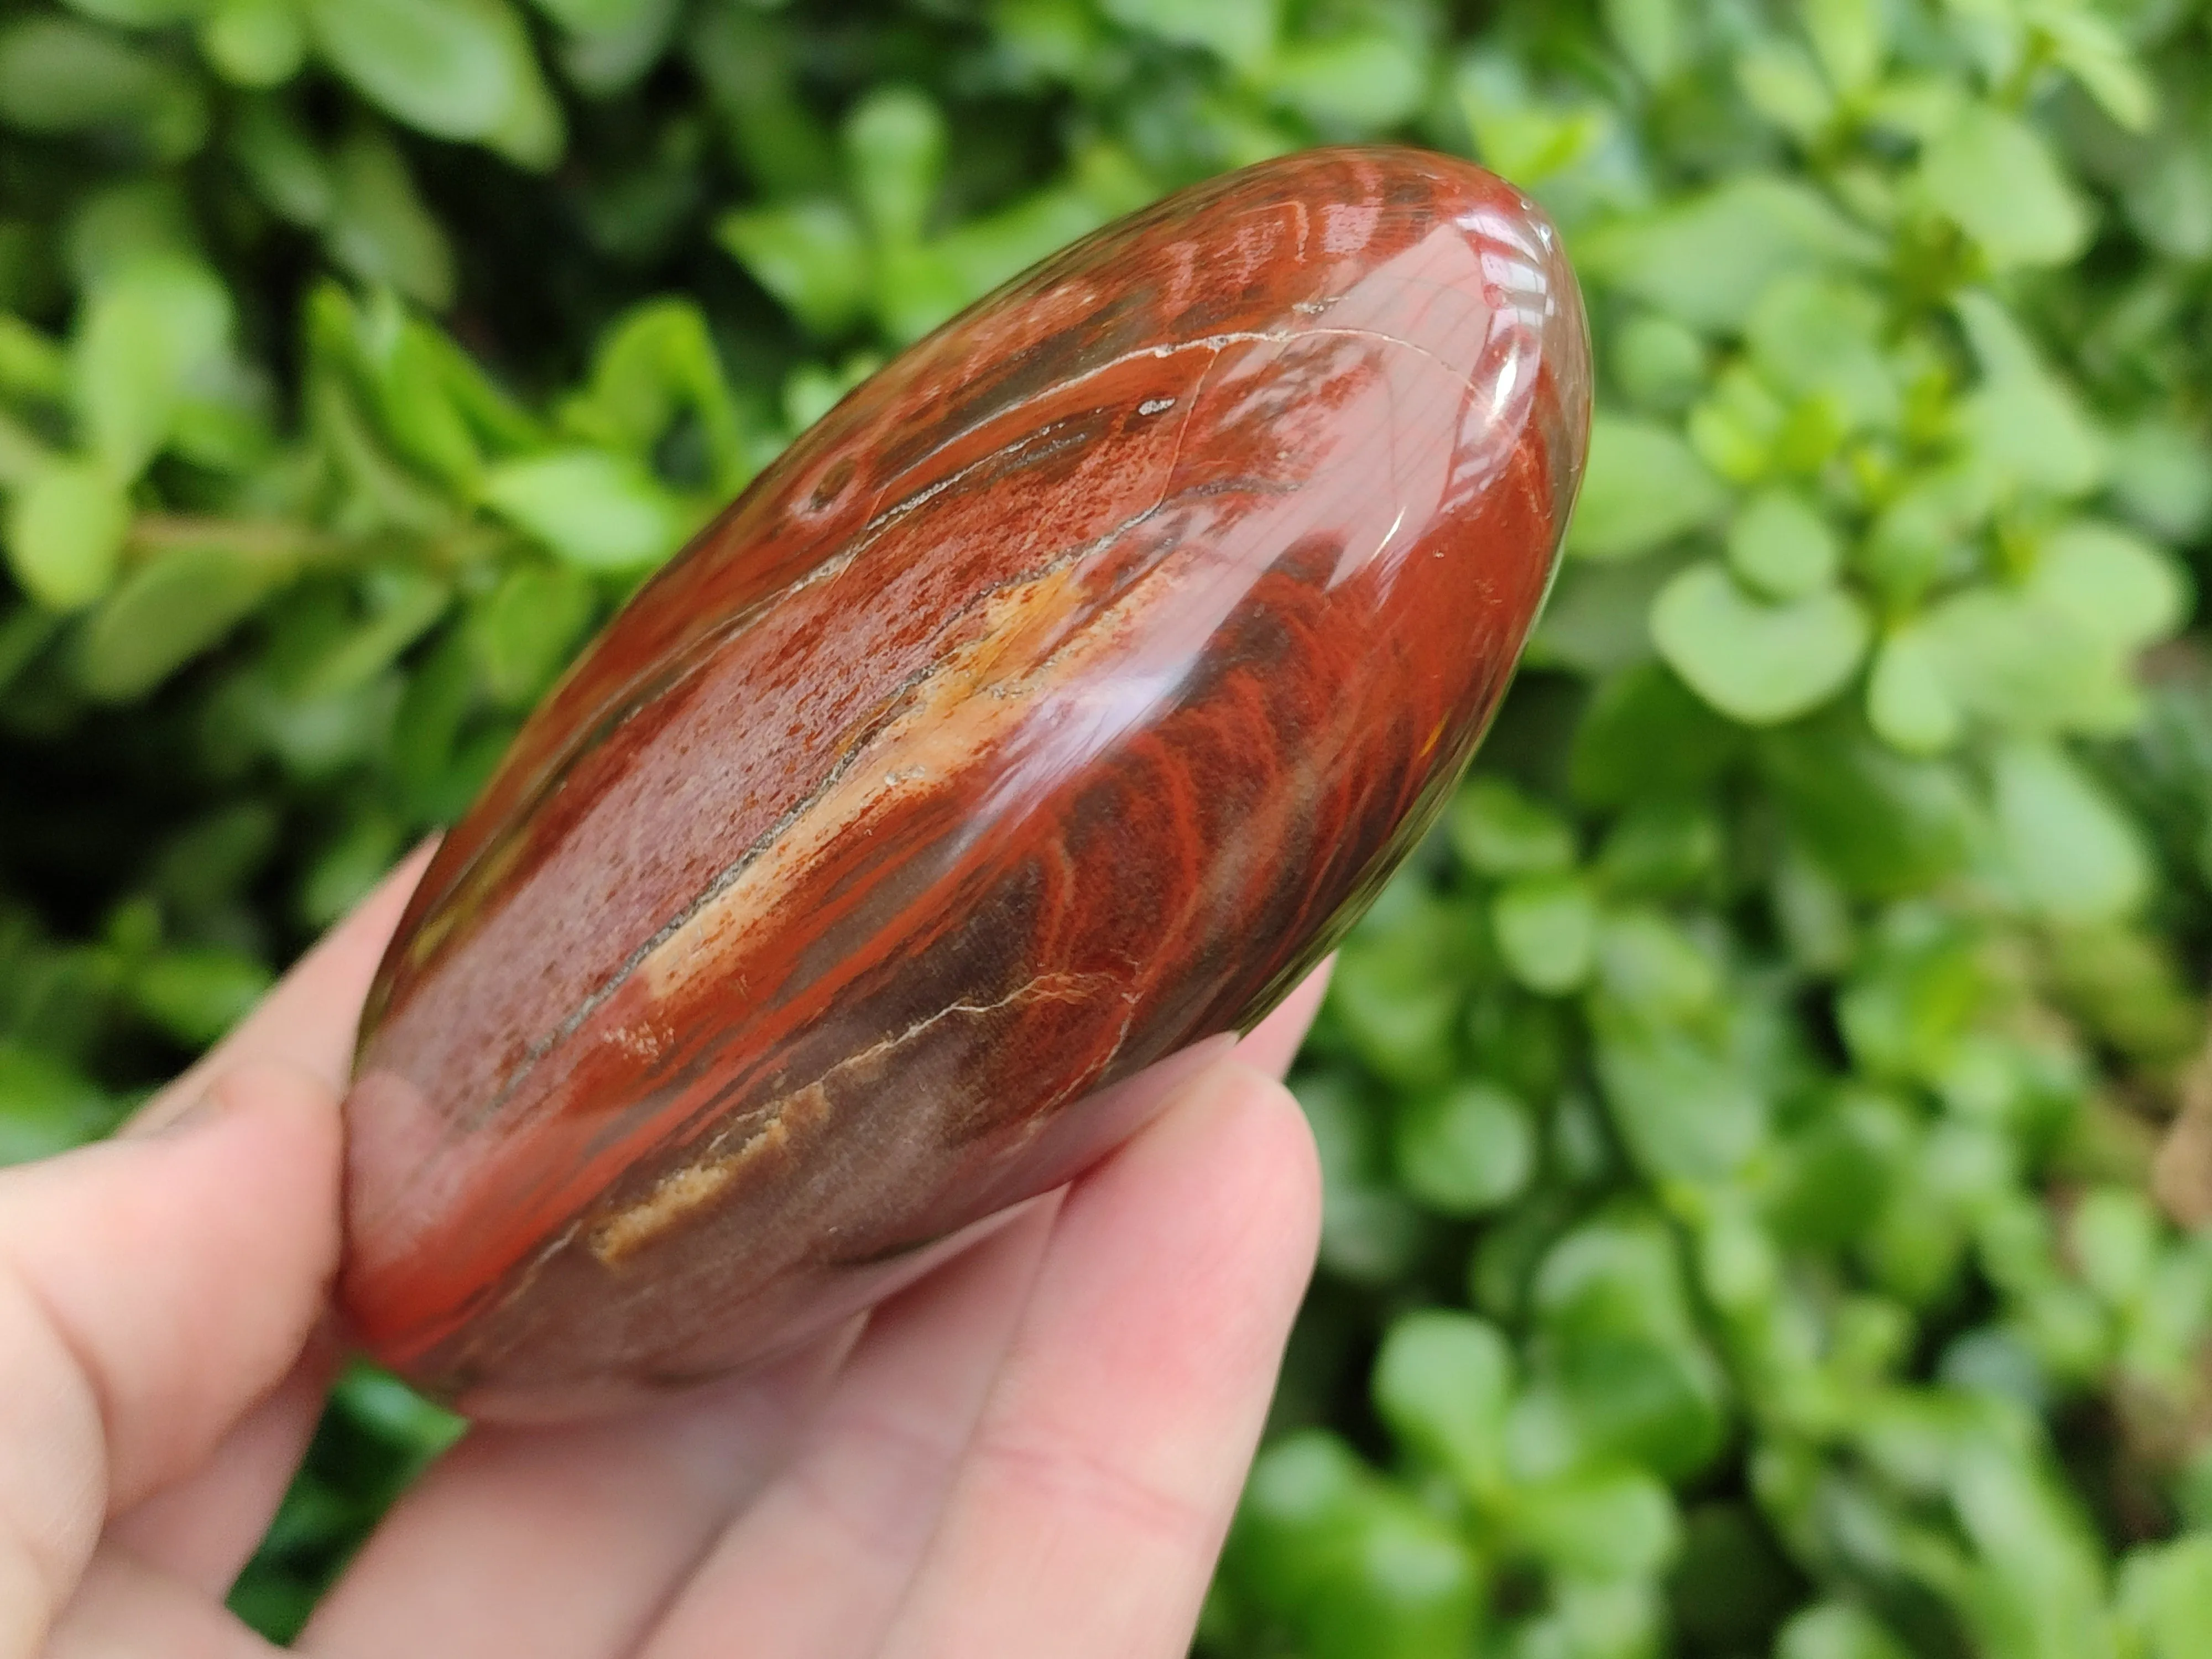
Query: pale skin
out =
(1036, 1450)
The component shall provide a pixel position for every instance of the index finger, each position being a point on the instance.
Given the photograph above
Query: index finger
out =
(309, 1019)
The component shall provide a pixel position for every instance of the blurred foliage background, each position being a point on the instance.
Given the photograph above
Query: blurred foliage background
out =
(1740, 1121)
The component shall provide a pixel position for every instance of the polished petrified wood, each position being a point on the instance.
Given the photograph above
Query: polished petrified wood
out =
(1022, 735)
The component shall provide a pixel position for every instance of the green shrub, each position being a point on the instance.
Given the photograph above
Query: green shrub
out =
(1737, 1119)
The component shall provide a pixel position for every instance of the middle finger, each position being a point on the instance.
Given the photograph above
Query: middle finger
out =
(562, 1543)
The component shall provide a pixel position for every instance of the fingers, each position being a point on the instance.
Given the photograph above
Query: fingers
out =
(200, 1530)
(128, 1610)
(560, 1542)
(816, 1566)
(310, 1018)
(152, 1290)
(824, 1562)
(1101, 1478)
(1272, 1044)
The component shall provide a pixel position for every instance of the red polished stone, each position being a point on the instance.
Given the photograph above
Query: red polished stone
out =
(1044, 713)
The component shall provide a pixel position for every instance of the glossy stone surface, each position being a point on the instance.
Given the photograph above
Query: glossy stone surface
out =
(1044, 713)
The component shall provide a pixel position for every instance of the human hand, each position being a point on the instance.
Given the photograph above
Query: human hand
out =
(1037, 1449)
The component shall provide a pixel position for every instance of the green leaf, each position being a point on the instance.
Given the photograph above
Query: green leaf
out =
(594, 17)
(810, 255)
(653, 363)
(1737, 428)
(1467, 1151)
(281, 163)
(2018, 661)
(148, 332)
(1500, 831)
(1851, 39)
(1650, 35)
(2024, 424)
(1928, 534)
(65, 531)
(2160, 474)
(255, 43)
(612, 58)
(121, 225)
(445, 69)
(1358, 1568)
(1756, 663)
(1520, 137)
(1241, 33)
(2118, 586)
(974, 258)
(1882, 824)
(1812, 914)
(2071, 849)
(2166, 1595)
(2169, 199)
(1706, 259)
(750, 65)
(525, 632)
(455, 69)
(1547, 928)
(1836, 1630)
(1991, 174)
(1629, 1373)
(2123, 983)
(60, 75)
(1597, 617)
(403, 605)
(1909, 700)
(1442, 1383)
(347, 868)
(1683, 1110)
(1369, 1231)
(1837, 1172)
(196, 995)
(1653, 968)
(813, 389)
(1399, 987)
(598, 511)
(46, 1107)
(2090, 49)
(1611, 1526)
(1643, 487)
(1780, 546)
(140, 14)
(382, 1407)
(421, 381)
(167, 611)
(1661, 847)
(1647, 734)
(31, 364)
(1779, 79)
(1659, 363)
(2043, 1573)
(1819, 337)
(2114, 1238)
(1909, 1003)
(1305, 1492)
(378, 228)
(1363, 80)
(894, 138)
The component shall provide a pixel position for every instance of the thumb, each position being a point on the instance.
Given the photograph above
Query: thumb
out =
(152, 1289)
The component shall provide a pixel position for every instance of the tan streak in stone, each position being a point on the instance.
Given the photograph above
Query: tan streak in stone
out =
(978, 698)
(683, 1193)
